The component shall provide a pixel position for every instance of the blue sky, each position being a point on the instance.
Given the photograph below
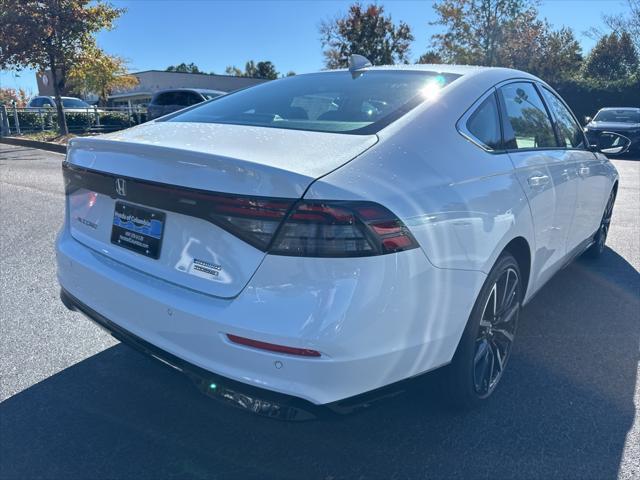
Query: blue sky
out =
(153, 34)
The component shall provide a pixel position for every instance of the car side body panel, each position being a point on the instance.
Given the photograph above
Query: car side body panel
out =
(463, 204)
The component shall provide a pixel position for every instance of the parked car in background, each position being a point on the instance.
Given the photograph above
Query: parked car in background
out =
(167, 101)
(622, 121)
(316, 237)
(70, 104)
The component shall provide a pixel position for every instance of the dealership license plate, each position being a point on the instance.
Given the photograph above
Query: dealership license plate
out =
(138, 229)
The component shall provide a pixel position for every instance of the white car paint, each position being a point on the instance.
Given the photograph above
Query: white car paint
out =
(375, 320)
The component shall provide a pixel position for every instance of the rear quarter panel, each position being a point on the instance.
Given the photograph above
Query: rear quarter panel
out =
(462, 204)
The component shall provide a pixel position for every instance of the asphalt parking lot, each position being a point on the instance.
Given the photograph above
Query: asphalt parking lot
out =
(75, 404)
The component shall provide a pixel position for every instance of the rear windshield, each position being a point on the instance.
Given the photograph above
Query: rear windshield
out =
(618, 116)
(74, 103)
(324, 102)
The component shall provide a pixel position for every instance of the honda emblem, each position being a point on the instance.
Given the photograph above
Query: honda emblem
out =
(121, 187)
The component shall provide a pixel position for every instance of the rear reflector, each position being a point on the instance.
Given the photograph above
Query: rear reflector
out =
(272, 347)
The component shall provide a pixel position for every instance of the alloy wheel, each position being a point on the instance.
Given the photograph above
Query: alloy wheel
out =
(496, 333)
(606, 222)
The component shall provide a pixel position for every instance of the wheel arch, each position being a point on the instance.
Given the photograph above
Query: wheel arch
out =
(521, 251)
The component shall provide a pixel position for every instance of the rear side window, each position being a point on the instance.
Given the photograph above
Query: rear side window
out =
(191, 98)
(569, 131)
(167, 98)
(36, 102)
(484, 124)
(526, 122)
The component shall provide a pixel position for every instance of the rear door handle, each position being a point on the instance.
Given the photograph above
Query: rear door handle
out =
(538, 180)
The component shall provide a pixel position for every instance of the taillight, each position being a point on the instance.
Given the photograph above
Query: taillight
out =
(279, 226)
(341, 229)
(252, 219)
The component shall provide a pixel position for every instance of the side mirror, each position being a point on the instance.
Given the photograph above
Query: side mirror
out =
(587, 120)
(611, 143)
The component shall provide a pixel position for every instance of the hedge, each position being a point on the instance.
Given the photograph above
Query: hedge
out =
(585, 99)
(77, 122)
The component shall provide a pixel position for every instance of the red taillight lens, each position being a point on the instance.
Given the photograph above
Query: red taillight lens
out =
(341, 229)
(253, 219)
(272, 347)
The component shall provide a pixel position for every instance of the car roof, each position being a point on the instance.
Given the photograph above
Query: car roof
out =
(199, 90)
(52, 97)
(631, 109)
(465, 70)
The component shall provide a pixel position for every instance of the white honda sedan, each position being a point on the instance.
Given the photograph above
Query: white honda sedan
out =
(322, 236)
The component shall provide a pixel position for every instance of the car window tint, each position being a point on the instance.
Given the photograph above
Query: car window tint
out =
(164, 99)
(618, 116)
(36, 102)
(314, 106)
(484, 123)
(74, 103)
(326, 102)
(527, 124)
(192, 98)
(569, 131)
(180, 98)
(48, 102)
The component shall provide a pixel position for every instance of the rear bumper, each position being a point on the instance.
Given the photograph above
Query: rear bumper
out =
(368, 338)
(256, 400)
(240, 395)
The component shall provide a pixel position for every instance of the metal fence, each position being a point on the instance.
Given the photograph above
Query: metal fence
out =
(19, 121)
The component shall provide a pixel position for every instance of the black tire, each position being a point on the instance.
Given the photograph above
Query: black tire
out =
(596, 250)
(467, 384)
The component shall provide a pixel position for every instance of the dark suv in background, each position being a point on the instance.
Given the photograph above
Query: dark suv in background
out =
(167, 101)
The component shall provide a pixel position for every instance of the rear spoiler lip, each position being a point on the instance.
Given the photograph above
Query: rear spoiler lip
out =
(129, 147)
(81, 152)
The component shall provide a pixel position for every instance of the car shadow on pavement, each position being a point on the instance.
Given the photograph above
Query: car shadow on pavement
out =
(563, 410)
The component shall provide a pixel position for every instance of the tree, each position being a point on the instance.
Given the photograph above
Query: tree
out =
(9, 96)
(365, 31)
(505, 33)
(100, 73)
(233, 70)
(184, 68)
(613, 58)
(630, 25)
(559, 56)
(480, 31)
(264, 69)
(552, 55)
(430, 56)
(51, 34)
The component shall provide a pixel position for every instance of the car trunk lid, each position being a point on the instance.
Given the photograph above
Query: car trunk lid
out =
(172, 199)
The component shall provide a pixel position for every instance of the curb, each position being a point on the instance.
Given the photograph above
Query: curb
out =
(21, 142)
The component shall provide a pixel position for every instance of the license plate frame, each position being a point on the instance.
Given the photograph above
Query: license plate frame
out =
(139, 229)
